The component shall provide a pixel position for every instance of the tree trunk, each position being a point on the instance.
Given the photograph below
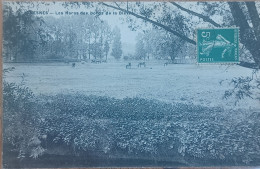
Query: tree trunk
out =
(172, 58)
(89, 46)
(254, 18)
(247, 34)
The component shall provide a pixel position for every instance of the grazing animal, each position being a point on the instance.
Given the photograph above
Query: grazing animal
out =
(166, 64)
(73, 64)
(128, 66)
(95, 61)
(141, 64)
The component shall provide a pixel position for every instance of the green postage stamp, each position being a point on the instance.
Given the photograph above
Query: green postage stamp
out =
(218, 45)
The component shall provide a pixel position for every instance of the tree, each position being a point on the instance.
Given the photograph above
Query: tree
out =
(31, 38)
(22, 34)
(238, 10)
(107, 37)
(95, 48)
(159, 44)
(106, 48)
(140, 52)
(240, 14)
(88, 33)
(117, 46)
(10, 32)
(250, 36)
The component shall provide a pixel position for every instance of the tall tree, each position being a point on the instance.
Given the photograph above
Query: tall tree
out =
(117, 46)
(140, 52)
(22, 34)
(106, 48)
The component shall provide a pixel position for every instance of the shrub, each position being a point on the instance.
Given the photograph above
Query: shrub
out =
(20, 122)
(243, 87)
(133, 127)
(125, 57)
(149, 128)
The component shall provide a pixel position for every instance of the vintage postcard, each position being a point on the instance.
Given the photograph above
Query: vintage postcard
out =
(131, 84)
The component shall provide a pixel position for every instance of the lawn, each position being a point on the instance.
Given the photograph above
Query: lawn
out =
(203, 85)
(162, 116)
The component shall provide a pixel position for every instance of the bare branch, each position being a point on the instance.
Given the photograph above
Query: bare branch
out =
(153, 22)
(205, 18)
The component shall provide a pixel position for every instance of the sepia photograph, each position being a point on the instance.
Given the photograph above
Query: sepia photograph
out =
(131, 84)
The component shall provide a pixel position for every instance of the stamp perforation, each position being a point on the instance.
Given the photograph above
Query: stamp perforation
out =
(219, 62)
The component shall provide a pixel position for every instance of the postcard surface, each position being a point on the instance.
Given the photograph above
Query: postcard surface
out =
(131, 84)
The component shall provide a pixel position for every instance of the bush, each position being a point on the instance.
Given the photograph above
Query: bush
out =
(21, 125)
(125, 57)
(133, 127)
(244, 87)
(149, 128)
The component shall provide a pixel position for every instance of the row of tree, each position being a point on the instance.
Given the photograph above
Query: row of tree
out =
(161, 45)
(167, 15)
(178, 20)
(31, 38)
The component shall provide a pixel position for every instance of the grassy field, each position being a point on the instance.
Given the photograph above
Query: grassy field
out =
(203, 85)
(164, 116)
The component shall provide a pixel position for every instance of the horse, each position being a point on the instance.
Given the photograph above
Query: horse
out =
(165, 64)
(141, 63)
(96, 61)
(128, 66)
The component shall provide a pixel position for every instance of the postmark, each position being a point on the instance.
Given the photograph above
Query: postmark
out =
(218, 45)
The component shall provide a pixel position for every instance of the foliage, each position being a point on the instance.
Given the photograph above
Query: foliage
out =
(106, 48)
(134, 127)
(244, 87)
(31, 38)
(140, 52)
(160, 45)
(23, 33)
(147, 128)
(180, 20)
(117, 46)
(20, 110)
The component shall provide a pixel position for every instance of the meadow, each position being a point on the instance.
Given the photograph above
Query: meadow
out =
(107, 115)
(186, 83)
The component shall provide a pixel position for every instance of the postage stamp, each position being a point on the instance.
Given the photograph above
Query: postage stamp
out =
(218, 45)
